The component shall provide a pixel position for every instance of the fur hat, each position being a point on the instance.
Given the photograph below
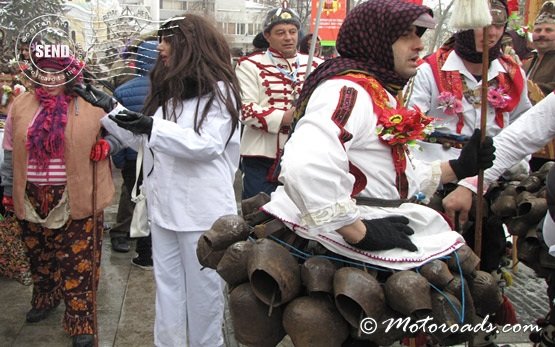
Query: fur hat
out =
(281, 15)
(547, 14)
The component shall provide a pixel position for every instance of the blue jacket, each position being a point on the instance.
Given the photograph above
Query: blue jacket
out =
(132, 94)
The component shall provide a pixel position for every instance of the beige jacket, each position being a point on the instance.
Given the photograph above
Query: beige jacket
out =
(83, 126)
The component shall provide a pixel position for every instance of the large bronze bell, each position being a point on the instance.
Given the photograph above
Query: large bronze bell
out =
(530, 184)
(532, 209)
(460, 289)
(504, 206)
(485, 293)
(437, 273)
(225, 231)
(529, 250)
(317, 275)
(251, 324)
(357, 295)
(314, 322)
(466, 258)
(208, 257)
(233, 265)
(408, 293)
(447, 311)
(252, 204)
(274, 274)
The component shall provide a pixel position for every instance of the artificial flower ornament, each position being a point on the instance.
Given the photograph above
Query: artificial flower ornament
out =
(403, 126)
(498, 98)
(449, 104)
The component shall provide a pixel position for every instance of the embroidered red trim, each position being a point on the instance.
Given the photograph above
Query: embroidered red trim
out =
(512, 82)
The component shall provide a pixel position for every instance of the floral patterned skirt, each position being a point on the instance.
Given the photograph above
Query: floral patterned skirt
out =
(62, 260)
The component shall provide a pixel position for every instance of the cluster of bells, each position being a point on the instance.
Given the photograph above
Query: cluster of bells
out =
(318, 301)
(522, 204)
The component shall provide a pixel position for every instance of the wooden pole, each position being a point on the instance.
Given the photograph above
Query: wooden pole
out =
(314, 38)
(95, 251)
(483, 126)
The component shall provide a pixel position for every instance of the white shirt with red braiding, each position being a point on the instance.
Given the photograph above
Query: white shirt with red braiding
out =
(270, 84)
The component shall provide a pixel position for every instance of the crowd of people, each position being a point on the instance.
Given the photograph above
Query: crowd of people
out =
(350, 153)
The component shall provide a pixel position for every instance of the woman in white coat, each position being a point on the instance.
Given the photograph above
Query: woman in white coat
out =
(190, 138)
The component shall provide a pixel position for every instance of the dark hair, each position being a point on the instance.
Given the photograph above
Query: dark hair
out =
(304, 46)
(200, 58)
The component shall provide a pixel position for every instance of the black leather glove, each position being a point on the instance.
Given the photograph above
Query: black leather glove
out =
(474, 157)
(386, 233)
(135, 122)
(95, 97)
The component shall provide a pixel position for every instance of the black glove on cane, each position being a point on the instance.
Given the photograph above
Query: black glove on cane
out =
(95, 97)
(135, 122)
(474, 157)
(386, 233)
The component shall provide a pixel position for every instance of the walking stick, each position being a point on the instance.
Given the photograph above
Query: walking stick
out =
(95, 251)
(472, 14)
(483, 119)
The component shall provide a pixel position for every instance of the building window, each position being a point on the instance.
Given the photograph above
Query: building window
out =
(173, 5)
(230, 29)
(241, 29)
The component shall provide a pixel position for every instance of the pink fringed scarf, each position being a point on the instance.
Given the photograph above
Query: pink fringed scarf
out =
(45, 138)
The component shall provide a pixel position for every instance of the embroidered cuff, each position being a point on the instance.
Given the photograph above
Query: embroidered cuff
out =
(471, 183)
(430, 185)
(340, 210)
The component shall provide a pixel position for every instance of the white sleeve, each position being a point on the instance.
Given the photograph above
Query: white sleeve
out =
(529, 133)
(183, 142)
(129, 139)
(315, 165)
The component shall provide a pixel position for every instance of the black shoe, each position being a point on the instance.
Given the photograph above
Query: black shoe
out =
(83, 341)
(36, 315)
(119, 244)
(143, 263)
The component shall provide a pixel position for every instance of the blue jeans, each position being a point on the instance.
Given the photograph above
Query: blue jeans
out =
(255, 176)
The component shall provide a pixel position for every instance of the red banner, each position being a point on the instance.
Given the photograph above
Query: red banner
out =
(333, 14)
(418, 2)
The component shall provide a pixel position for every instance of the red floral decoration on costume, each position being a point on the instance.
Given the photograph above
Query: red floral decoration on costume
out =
(402, 126)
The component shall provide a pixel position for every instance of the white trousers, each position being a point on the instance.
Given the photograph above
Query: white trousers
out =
(189, 302)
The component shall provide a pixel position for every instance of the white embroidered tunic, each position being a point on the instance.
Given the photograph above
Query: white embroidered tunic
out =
(315, 199)
(424, 94)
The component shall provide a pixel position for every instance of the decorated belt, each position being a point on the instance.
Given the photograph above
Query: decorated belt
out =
(447, 140)
(375, 202)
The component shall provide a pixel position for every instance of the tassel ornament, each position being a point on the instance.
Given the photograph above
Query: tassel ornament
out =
(470, 14)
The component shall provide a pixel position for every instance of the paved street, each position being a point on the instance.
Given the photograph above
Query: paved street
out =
(126, 306)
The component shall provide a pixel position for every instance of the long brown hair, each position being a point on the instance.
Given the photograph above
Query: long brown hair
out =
(199, 59)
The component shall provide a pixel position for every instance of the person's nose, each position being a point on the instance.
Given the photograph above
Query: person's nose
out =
(418, 45)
